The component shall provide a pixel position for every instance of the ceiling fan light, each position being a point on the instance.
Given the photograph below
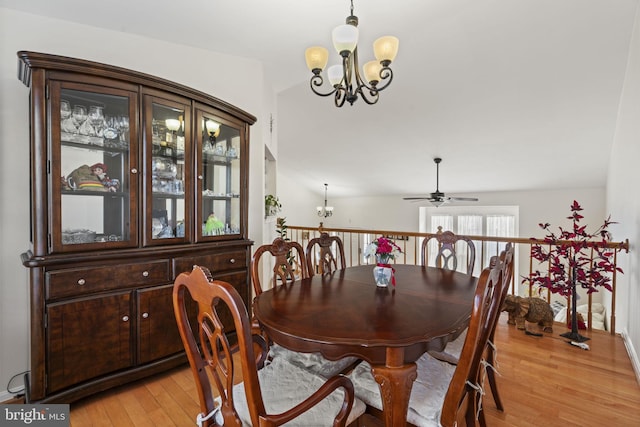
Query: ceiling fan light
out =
(372, 71)
(316, 57)
(345, 38)
(386, 48)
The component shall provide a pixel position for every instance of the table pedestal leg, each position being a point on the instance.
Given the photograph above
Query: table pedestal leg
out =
(395, 389)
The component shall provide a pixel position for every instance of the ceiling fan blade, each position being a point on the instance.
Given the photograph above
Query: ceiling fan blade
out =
(464, 199)
(437, 198)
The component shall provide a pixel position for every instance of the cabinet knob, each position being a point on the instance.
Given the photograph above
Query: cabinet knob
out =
(125, 318)
(145, 315)
(200, 177)
(232, 260)
(145, 273)
(134, 170)
(81, 282)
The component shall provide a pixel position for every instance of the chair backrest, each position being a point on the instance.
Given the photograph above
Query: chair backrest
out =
(289, 263)
(484, 315)
(212, 360)
(446, 256)
(506, 260)
(320, 256)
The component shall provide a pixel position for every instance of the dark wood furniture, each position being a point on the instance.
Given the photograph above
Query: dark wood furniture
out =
(214, 370)
(134, 179)
(507, 259)
(344, 314)
(321, 258)
(287, 258)
(446, 256)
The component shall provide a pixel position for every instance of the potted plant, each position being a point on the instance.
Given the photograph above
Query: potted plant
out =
(571, 265)
(271, 205)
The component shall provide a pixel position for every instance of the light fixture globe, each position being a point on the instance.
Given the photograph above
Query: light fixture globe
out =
(316, 58)
(172, 124)
(213, 128)
(345, 38)
(335, 75)
(386, 48)
(372, 72)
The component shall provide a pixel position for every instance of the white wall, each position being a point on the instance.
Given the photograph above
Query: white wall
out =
(239, 81)
(623, 198)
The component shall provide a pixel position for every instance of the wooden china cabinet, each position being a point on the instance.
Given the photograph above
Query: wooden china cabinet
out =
(134, 179)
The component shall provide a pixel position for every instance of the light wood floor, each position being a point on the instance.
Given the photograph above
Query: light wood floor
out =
(544, 382)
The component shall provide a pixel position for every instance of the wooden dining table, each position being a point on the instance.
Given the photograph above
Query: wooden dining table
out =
(344, 314)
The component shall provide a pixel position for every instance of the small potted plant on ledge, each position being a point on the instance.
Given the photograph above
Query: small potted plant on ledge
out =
(271, 205)
(571, 265)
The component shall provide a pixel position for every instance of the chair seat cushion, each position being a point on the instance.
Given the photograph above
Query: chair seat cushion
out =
(427, 393)
(451, 352)
(293, 385)
(313, 362)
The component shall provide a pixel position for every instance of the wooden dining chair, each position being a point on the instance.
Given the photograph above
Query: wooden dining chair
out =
(289, 263)
(446, 255)
(441, 390)
(293, 394)
(507, 258)
(289, 266)
(451, 353)
(321, 258)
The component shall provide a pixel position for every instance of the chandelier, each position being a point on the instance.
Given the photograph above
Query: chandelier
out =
(345, 79)
(325, 211)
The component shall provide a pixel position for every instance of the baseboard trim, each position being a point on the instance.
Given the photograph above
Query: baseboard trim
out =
(635, 362)
(6, 397)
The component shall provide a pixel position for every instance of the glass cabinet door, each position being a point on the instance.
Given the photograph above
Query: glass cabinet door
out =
(219, 148)
(93, 170)
(167, 132)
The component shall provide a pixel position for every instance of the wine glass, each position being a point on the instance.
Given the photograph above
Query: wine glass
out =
(65, 109)
(79, 115)
(96, 118)
(96, 115)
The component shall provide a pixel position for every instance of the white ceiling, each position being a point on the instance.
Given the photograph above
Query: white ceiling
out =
(512, 94)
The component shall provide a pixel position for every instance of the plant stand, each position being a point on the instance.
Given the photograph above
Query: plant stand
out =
(573, 335)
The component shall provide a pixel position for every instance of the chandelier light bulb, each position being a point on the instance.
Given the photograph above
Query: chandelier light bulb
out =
(213, 128)
(345, 38)
(335, 75)
(172, 124)
(386, 48)
(316, 57)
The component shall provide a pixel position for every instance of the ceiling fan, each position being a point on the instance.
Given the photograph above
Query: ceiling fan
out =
(437, 198)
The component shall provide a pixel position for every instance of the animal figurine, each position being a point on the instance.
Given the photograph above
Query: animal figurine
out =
(531, 309)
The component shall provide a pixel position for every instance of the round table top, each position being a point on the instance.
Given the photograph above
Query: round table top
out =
(346, 309)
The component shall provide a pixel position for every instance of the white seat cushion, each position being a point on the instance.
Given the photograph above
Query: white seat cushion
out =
(451, 352)
(427, 393)
(313, 362)
(284, 385)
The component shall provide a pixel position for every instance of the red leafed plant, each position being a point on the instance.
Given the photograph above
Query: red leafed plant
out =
(570, 263)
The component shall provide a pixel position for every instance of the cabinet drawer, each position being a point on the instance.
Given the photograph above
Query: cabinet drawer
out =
(216, 263)
(63, 283)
